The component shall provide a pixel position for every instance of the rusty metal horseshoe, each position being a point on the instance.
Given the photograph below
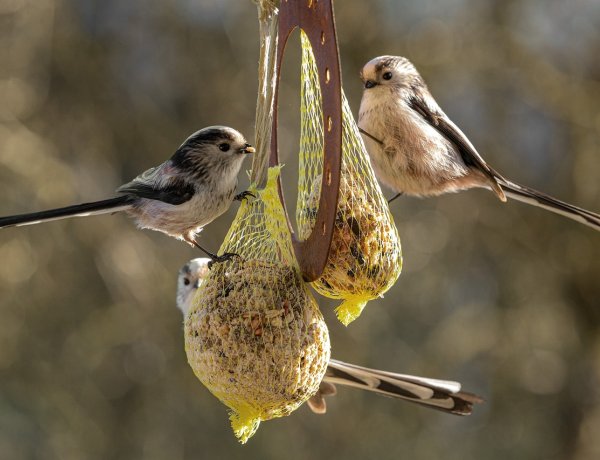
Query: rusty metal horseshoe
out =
(316, 19)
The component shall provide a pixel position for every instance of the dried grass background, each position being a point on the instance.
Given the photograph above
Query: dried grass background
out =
(502, 297)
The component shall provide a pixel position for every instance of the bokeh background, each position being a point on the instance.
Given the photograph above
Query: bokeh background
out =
(502, 297)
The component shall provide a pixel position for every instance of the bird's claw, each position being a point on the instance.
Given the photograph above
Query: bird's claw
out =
(395, 196)
(215, 259)
(370, 136)
(244, 195)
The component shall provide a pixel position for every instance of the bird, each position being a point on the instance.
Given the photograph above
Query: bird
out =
(178, 197)
(443, 395)
(415, 149)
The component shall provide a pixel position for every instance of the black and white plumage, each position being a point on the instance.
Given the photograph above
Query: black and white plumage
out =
(415, 149)
(443, 395)
(178, 197)
(437, 394)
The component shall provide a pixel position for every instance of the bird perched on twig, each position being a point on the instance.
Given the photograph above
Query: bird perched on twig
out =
(437, 394)
(180, 196)
(416, 149)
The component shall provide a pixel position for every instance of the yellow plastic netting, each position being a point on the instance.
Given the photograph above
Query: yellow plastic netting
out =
(365, 258)
(254, 335)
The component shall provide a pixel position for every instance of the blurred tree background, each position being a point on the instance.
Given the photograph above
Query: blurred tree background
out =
(502, 297)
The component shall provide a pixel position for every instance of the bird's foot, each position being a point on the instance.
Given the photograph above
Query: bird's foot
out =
(370, 136)
(215, 259)
(244, 195)
(394, 197)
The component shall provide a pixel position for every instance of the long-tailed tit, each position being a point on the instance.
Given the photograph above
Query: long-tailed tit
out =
(416, 149)
(437, 394)
(180, 196)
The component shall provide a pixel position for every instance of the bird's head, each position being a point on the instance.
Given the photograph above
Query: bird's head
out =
(189, 280)
(389, 72)
(216, 150)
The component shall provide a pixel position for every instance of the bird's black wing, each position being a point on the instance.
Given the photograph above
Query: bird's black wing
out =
(438, 119)
(174, 190)
(500, 185)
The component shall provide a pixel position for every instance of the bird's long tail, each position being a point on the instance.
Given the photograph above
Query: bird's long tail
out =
(436, 394)
(535, 198)
(85, 209)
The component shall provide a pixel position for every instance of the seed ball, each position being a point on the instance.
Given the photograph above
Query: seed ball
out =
(365, 258)
(257, 340)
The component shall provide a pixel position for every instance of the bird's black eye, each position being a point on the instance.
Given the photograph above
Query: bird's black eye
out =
(387, 76)
(186, 281)
(224, 147)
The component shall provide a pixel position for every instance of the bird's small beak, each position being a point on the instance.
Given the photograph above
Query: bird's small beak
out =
(197, 284)
(370, 84)
(248, 149)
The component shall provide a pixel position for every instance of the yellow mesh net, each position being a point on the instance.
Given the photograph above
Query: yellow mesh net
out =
(365, 258)
(254, 335)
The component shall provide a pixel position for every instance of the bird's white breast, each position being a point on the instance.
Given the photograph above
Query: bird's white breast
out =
(208, 203)
(414, 157)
